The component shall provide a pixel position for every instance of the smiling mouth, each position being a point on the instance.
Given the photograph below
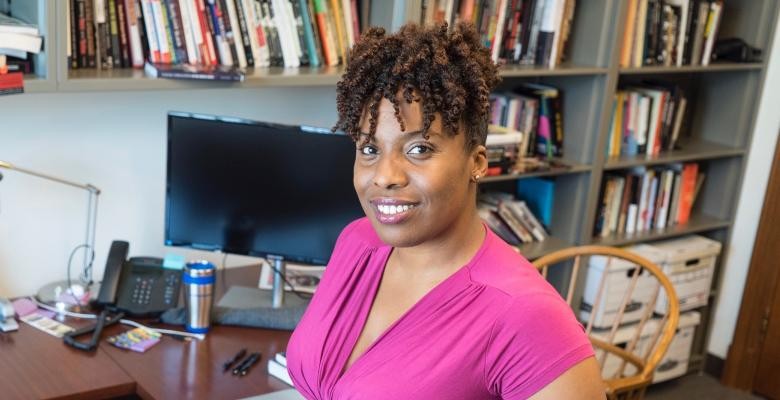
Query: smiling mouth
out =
(389, 210)
(393, 213)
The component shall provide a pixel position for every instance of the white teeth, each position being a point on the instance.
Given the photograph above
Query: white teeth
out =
(392, 210)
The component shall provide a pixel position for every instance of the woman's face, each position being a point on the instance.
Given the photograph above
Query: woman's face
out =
(415, 190)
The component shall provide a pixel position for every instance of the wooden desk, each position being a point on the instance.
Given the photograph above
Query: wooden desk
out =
(174, 369)
(35, 365)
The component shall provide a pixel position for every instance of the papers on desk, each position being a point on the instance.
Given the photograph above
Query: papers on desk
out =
(46, 324)
(304, 278)
(289, 394)
(277, 367)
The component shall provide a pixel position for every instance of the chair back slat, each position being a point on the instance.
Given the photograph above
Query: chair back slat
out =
(573, 280)
(597, 301)
(648, 312)
(624, 303)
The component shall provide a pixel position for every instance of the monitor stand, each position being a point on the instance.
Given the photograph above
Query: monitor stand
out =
(253, 297)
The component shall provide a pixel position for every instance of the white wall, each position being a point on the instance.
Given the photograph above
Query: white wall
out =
(116, 141)
(751, 197)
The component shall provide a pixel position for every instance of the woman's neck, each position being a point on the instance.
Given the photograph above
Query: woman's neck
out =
(444, 254)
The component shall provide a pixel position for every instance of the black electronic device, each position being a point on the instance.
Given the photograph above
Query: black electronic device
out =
(257, 188)
(138, 286)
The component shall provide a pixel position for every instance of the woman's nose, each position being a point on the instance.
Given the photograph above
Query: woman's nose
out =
(390, 172)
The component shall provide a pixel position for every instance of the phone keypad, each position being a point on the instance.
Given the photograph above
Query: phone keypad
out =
(142, 292)
(171, 283)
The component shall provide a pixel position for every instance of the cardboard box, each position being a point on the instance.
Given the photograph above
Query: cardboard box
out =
(674, 363)
(616, 286)
(689, 262)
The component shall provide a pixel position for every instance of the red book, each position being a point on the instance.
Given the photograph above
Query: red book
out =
(11, 80)
(687, 188)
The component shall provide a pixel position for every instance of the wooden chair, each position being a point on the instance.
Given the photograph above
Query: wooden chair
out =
(626, 382)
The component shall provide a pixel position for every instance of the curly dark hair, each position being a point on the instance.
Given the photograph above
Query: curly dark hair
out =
(450, 71)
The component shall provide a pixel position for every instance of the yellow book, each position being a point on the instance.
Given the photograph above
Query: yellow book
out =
(617, 132)
(341, 33)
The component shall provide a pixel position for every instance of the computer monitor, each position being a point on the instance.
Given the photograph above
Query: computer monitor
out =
(256, 188)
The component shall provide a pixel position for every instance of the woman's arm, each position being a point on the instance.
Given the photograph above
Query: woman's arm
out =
(580, 382)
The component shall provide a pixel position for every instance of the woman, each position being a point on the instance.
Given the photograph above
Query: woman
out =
(420, 300)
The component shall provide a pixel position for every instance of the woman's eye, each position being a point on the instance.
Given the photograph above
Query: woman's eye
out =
(368, 150)
(420, 149)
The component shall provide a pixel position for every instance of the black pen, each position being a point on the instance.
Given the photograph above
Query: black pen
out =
(229, 363)
(243, 369)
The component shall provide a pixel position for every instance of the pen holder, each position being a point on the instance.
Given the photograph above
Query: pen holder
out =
(198, 282)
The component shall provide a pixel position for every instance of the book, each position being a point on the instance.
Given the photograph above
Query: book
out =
(20, 42)
(194, 72)
(13, 25)
(538, 194)
(11, 83)
(281, 358)
(279, 371)
(137, 339)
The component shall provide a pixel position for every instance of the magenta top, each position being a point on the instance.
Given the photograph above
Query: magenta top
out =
(493, 329)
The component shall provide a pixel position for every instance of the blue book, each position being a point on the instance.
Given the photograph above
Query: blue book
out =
(538, 194)
(314, 60)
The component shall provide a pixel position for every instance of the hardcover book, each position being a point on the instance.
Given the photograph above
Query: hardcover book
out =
(194, 72)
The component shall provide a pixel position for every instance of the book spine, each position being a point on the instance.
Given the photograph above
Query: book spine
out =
(272, 35)
(338, 22)
(326, 38)
(200, 48)
(244, 29)
(181, 32)
(90, 30)
(297, 14)
(221, 40)
(134, 35)
(308, 32)
(207, 30)
(116, 52)
(124, 42)
(286, 36)
(151, 31)
(255, 33)
(74, 34)
(628, 36)
(235, 30)
(82, 26)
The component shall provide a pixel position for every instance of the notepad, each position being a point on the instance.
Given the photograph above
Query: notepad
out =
(137, 339)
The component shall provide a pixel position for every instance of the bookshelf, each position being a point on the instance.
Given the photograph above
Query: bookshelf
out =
(723, 101)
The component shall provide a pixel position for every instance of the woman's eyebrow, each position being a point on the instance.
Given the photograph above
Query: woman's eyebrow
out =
(409, 133)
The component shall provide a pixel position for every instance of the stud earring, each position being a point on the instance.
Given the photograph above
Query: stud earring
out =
(476, 178)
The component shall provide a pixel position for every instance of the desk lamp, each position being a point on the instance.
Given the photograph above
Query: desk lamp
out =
(53, 293)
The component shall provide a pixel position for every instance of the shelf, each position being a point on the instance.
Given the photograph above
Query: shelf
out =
(698, 150)
(552, 172)
(697, 223)
(36, 84)
(535, 250)
(715, 67)
(514, 70)
(135, 79)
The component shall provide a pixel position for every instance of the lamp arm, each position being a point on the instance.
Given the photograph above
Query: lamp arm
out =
(7, 165)
(92, 202)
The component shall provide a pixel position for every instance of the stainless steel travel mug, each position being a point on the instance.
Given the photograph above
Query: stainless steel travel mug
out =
(199, 278)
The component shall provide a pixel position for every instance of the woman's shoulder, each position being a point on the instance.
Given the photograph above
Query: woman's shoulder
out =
(359, 233)
(505, 269)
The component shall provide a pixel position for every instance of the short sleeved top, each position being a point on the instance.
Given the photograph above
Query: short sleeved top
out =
(494, 329)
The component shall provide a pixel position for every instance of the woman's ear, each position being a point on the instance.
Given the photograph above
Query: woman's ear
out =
(479, 163)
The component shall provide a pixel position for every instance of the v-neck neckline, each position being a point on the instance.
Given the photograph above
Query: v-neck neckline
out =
(425, 298)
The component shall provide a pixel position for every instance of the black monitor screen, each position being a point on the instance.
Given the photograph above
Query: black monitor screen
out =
(259, 189)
